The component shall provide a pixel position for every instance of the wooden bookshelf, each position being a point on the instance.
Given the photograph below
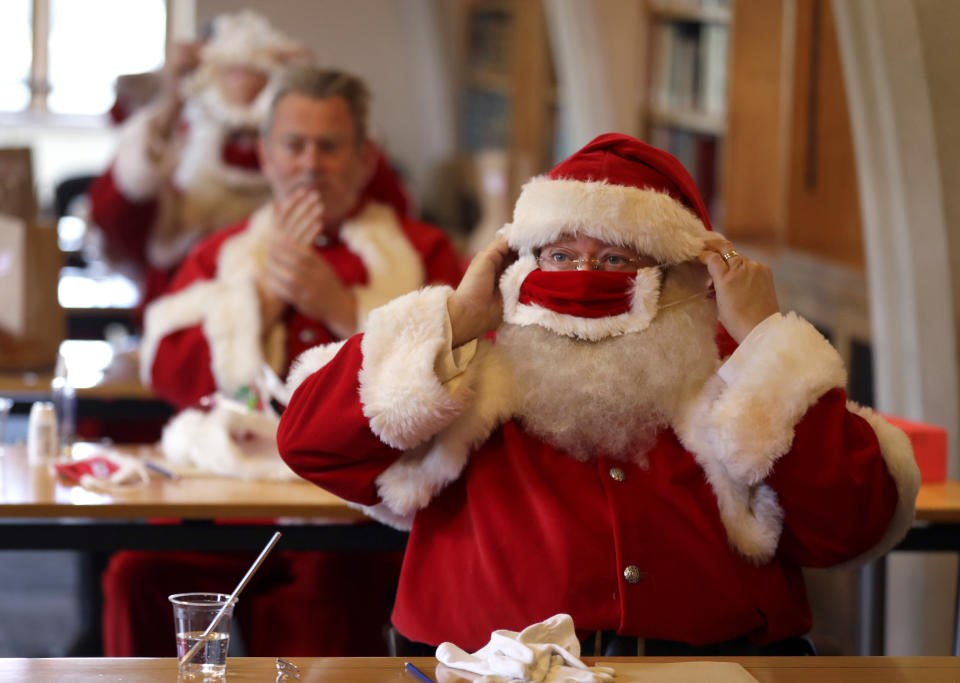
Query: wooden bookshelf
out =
(790, 175)
(507, 105)
(684, 97)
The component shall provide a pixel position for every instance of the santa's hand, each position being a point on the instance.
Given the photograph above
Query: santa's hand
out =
(476, 307)
(745, 292)
(300, 216)
(183, 60)
(294, 273)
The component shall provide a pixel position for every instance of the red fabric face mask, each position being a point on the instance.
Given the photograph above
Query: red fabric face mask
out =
(580, 293)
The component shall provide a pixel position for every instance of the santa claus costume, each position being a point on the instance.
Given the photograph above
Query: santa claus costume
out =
(204, 335)
(601, 459)
(167, 189)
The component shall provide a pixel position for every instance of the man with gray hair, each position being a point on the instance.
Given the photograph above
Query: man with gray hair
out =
(306, 268)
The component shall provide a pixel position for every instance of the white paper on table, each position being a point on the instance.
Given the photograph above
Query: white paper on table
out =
(642, 672)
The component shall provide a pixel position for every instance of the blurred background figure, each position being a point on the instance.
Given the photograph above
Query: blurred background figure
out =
(186, 163)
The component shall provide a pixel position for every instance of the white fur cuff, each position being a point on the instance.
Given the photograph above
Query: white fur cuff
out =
(232, 329)
(401, 394)
(750, 422)
(309, 362)
(898, 456)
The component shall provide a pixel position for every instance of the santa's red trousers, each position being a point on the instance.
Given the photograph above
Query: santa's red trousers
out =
(299, 604)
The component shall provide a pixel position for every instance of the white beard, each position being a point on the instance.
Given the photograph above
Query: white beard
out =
(611, 397)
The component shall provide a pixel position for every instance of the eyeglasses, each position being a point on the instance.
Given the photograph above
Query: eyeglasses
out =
(560, 258)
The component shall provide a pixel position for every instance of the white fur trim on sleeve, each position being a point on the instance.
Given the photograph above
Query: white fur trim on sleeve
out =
(750, 423)
(650, 221)
(897, 452)
(226, 307)
(133, 173)
(393, 266)
(411, 482)
(401, 394)
(232, 329)
(309, 362)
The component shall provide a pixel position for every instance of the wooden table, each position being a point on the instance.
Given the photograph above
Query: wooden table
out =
(384, 670)
(42, 511)
(939, 502)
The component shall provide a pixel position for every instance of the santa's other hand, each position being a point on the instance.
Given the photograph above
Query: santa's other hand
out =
(745, 292)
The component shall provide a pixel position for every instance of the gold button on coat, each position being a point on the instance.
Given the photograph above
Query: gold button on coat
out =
(632, 574)
(617, 474)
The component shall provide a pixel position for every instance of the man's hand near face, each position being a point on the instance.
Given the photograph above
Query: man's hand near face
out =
(746, 295)
(293, 274)
(476, 307)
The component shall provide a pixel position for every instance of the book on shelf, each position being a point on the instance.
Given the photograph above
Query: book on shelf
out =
(713, 69)
(688, 66)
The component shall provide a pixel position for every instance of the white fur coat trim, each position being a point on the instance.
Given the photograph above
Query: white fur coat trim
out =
(224, 306)
(749, 424)
(643, 306)
(898, 455)
(650, 221)
(134, 174)
(393, 266)
(402, 397)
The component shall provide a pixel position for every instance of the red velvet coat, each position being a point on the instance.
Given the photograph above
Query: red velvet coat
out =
(511, 531)
(209, 316)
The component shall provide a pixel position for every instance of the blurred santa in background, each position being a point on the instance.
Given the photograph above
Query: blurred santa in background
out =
(186, 163)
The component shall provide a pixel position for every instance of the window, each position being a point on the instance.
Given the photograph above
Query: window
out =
(16, 47)
(79, 50)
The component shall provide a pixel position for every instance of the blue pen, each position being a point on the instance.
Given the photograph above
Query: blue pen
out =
(161, 470)
(416, 672)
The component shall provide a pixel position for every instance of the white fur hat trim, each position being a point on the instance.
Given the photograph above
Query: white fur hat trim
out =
(650, 221)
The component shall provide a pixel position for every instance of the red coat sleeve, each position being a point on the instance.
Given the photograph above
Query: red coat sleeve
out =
(125, 224)
(181, 368)
(836, 492)
(326, 409)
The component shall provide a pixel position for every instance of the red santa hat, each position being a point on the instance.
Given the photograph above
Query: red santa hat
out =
(618, 190)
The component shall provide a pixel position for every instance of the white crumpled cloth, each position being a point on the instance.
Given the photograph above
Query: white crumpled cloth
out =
(547, 652)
